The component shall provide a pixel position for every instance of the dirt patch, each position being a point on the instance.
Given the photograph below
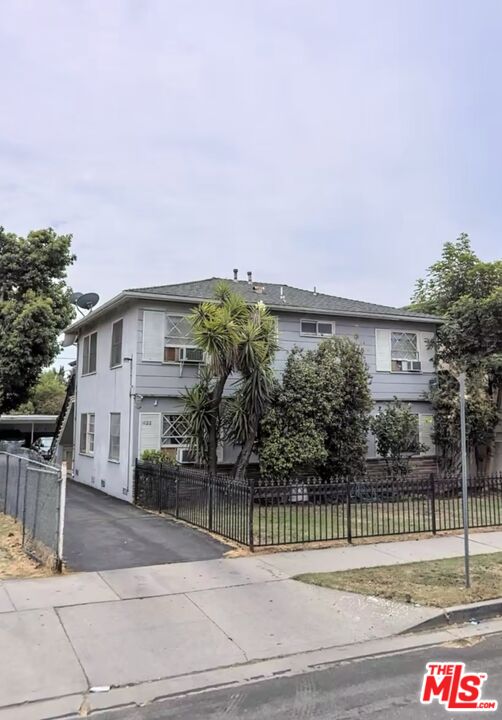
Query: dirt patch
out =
(14, 562)
(439, 583)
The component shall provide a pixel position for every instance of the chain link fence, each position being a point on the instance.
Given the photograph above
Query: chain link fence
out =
(33, 493)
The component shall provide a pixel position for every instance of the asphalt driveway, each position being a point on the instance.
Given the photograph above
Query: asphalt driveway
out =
(104, 533)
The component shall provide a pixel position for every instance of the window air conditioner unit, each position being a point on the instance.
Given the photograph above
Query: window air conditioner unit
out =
(412, 365)
(191, 355)
(185, 455)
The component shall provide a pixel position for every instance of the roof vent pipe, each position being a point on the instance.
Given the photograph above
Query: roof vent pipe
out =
(315, 290)
(282, 296)
(250, 277)
(236, 272)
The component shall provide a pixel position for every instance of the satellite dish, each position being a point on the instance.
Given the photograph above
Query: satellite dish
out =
(87, 301)
(68, 340)
(75, 296)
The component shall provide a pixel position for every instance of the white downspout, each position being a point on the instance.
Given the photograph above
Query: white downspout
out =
(75, 414)
(130, 446)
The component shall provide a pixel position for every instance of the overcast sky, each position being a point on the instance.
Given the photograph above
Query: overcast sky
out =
(335, 143)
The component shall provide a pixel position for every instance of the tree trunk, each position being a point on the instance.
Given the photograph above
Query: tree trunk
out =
(242, 461)
(214, 422)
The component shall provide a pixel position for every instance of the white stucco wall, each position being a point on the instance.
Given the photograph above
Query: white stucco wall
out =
(102, 393)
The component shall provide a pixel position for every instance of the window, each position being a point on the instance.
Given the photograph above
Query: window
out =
(87, 433)
(174, 430)
(404, 352)
(178, 345)
(316, 327)
(116, 352)
(114, 450)
(89, 354)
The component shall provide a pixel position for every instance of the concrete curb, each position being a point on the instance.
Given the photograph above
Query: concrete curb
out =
(458, 615)
(117, 699)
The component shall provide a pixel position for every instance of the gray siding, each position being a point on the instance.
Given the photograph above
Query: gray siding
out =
(156, 378)
(156, 386)
(384, 385)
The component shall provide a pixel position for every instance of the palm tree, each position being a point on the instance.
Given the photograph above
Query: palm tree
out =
(236, 338)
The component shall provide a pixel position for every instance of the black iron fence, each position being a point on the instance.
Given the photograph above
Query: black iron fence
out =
(260, 513)
(33, 493)
(216, 503)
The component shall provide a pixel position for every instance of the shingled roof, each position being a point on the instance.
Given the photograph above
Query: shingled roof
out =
(276, 295)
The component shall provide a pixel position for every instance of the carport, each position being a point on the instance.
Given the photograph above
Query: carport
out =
(27, 427)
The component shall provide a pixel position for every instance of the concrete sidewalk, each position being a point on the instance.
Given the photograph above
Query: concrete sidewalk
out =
(65, 635)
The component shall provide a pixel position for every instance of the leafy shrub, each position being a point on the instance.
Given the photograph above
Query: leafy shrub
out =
(157, 456)
(397, 436)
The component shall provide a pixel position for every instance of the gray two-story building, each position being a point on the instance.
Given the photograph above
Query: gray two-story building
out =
(135, 358)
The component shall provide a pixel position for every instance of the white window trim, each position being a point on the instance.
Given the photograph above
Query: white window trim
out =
(317, 334)
(87, 452)
(92, 372)
(112, 367)
(110, 459)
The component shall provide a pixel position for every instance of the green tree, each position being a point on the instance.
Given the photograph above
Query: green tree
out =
(319, 415)
(237, 338)
(481, 418)
(47, 396)
(34, 308)
(467, 292)
(397, 436)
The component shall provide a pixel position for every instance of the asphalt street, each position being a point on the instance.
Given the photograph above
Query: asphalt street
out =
(380, 688)
(104, 533)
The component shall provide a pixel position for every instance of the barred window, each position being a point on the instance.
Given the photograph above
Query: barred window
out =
(178, 345)
(178, 329)
(174, 430)
(404, 350)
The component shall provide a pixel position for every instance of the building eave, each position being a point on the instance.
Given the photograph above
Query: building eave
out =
(122, 297)
(296, 309)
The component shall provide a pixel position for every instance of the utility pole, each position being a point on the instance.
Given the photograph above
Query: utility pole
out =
(465, 509)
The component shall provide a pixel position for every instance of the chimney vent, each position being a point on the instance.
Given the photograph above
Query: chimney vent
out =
(315, 290)
(236, 273)
(250, 277)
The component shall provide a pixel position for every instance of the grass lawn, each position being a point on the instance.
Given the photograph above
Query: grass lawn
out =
(13, 560)
(439, 583)
(290, 523)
